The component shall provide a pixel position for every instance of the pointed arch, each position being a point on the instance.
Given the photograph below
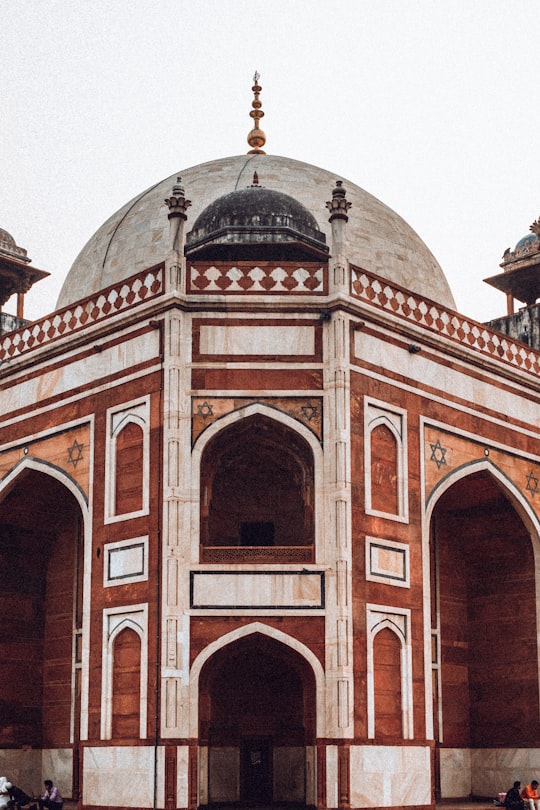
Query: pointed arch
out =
(127, 468)
(125, 420)
(386, 488)
(276, 635)
(313, 515)
(30, 463)
(516, 497)
(126, 677)
(115, 620)
(481, 557)
(255, 408)
(398, 622)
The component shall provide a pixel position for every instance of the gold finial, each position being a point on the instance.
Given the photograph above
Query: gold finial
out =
(256, 137)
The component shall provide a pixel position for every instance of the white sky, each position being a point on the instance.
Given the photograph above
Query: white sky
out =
(430, 105)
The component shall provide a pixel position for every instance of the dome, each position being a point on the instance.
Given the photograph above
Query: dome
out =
(10, 249)
(247, 221)
(528, 241)
(7, 238)
(137, 236)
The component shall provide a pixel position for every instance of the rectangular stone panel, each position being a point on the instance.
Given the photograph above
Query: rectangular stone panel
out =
(126, 561)
(277, 590)
(387, 561)
(257, 340)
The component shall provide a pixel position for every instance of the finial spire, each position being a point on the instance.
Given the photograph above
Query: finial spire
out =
(338, 205)
(256, 137)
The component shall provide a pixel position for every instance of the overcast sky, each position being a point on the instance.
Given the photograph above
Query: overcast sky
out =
(430, 105)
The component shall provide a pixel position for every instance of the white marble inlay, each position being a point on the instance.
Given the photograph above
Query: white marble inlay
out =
(257, 339)
(390, 776)
(126, 561)
(125, 773)
(455, 769)
(387, 561)
(244, 590)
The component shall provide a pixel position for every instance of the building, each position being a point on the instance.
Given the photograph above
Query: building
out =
(269, 511)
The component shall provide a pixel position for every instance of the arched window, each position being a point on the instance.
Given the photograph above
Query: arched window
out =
(127, 461)
(384, 470)
(389, 680)
(387, 685)
(385, 460)
(257, 480)
(129, 469)
(126, 684)
(124, 677)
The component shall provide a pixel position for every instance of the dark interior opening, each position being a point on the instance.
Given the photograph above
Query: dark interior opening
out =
(257, 533)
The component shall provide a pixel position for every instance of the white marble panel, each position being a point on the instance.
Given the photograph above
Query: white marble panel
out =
(390, 776)
(92, 369)
(493, 770)
(257, 339)
(57, 764)
(387, 561)
(331, 776)
(119, 775)
(203, 774)
(276, 590)
(452, 382)
(182, 771)
(455, 767)
(126, 561)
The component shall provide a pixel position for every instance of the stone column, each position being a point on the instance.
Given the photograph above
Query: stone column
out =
(176, 493)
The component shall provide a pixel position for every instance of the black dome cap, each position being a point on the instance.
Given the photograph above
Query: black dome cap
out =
(256, 223)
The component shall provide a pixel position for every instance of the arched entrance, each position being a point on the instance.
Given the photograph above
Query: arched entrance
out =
(484, 629)
(257, 494)
(257, 718)
(40, 617)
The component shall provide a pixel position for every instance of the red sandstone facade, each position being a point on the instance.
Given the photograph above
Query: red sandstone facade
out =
(272, 535)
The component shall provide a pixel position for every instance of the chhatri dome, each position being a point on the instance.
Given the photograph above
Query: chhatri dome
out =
(137, 236)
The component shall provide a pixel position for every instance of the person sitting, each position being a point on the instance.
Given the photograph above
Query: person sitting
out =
(513, 800)
(52, 799)
(4, 792)
(530, 794)
(17, 797)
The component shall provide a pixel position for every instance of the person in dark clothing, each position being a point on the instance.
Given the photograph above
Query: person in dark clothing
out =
(17, 797)
(513, 800)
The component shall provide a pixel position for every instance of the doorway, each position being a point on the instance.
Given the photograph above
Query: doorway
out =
(484, 629)
(257, 719)
(256, 770)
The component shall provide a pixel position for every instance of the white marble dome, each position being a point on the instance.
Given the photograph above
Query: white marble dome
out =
(136, 236)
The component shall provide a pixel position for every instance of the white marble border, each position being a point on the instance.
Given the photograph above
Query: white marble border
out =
(398, 620)
(123, 548)
(388, 577)
(114, 621)
(395, 419)
(137, 411)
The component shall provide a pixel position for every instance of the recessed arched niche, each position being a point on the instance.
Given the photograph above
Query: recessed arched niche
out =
(257, 482)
